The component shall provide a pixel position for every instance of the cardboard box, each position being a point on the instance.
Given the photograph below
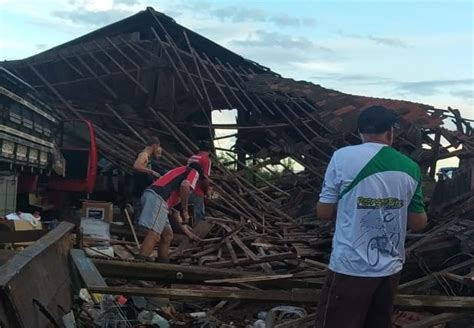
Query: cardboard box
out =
(98, 210)
(22, 225)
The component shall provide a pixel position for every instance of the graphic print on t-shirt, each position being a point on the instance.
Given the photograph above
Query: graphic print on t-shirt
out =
(379, 235)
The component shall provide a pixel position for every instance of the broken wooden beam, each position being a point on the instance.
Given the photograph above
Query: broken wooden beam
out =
(435, 320)
(430, 280)
(191, 274)
(307, 296)
(87, 270)
(163, 272)
(249, 279)
(435, 303)
(258, 260)
(311, 296)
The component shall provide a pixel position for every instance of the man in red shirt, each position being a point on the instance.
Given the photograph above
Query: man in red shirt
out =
(197, 197)
(168, 191)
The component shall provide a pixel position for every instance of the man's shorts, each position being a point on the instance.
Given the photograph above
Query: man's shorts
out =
(199, 209)
(154, 213)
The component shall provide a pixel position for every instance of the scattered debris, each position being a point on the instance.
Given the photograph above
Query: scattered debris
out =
(262, 257)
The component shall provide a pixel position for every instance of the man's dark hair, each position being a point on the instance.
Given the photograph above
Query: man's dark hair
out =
(153, 141)
(196, 167)
(204, 145)
(376, 120)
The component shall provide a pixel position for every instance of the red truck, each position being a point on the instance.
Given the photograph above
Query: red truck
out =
(32, 143)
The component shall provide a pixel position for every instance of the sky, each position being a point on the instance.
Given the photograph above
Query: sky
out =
(421, 51)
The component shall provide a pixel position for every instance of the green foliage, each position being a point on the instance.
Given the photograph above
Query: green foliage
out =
(268, 173)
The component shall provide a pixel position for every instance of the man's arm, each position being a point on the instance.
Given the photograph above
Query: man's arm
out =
(207, 169)
(184, 227)
(326, 208)
(417, 221)
(205, 183)
(184, 192)
(417, 218)
(326, 211)
(140, 165)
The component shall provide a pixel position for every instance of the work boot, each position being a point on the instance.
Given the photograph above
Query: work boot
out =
(143, 258)
(165, 260)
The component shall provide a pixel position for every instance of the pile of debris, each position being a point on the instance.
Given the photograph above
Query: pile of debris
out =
(240, 274)
(262, 248)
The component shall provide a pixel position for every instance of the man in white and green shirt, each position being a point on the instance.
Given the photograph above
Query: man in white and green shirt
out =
(376, 193)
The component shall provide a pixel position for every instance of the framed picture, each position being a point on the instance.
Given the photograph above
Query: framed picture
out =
(95, 213)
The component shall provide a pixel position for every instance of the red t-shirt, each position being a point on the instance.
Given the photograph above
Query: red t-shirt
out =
(201, 158)
(168, 185)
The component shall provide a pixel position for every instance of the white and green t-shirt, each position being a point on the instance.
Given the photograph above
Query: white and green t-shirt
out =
(374, 187)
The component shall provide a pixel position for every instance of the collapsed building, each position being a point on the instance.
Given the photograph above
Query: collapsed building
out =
(147, 75)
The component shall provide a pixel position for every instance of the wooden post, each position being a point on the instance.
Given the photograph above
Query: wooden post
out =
(435, 150)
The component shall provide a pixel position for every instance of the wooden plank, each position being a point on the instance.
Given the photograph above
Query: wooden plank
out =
(69, 63)
(429, 280)
(249, 279)
(124, 122)
(95, 59)
(319, 265)
(161, 271)
(431, 235)
(122, 53)
(415, 302)
(263, 259)
(435, 320)
(435, 303)
(311, 296)
(229, 71)
(172, 273)
(460, 279)
(202, 229)
(176, 52)
(87, 269)
(201, 61)
(183, 66)
(95, 75)
(236, 97)
(217, 307)
(231, 250)
(132, 48)
(265, 266)
(170, 58)
(220, 294)
(112, 59)
(244, 247)
(435, 151)
(211, 107)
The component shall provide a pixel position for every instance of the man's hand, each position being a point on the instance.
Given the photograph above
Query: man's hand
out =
(184, 227)
(189, 233)
(155, 174)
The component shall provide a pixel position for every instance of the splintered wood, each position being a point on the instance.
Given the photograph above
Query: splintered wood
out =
(149, 76)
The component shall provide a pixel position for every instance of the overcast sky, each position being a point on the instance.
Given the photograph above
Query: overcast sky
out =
(415, 50)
